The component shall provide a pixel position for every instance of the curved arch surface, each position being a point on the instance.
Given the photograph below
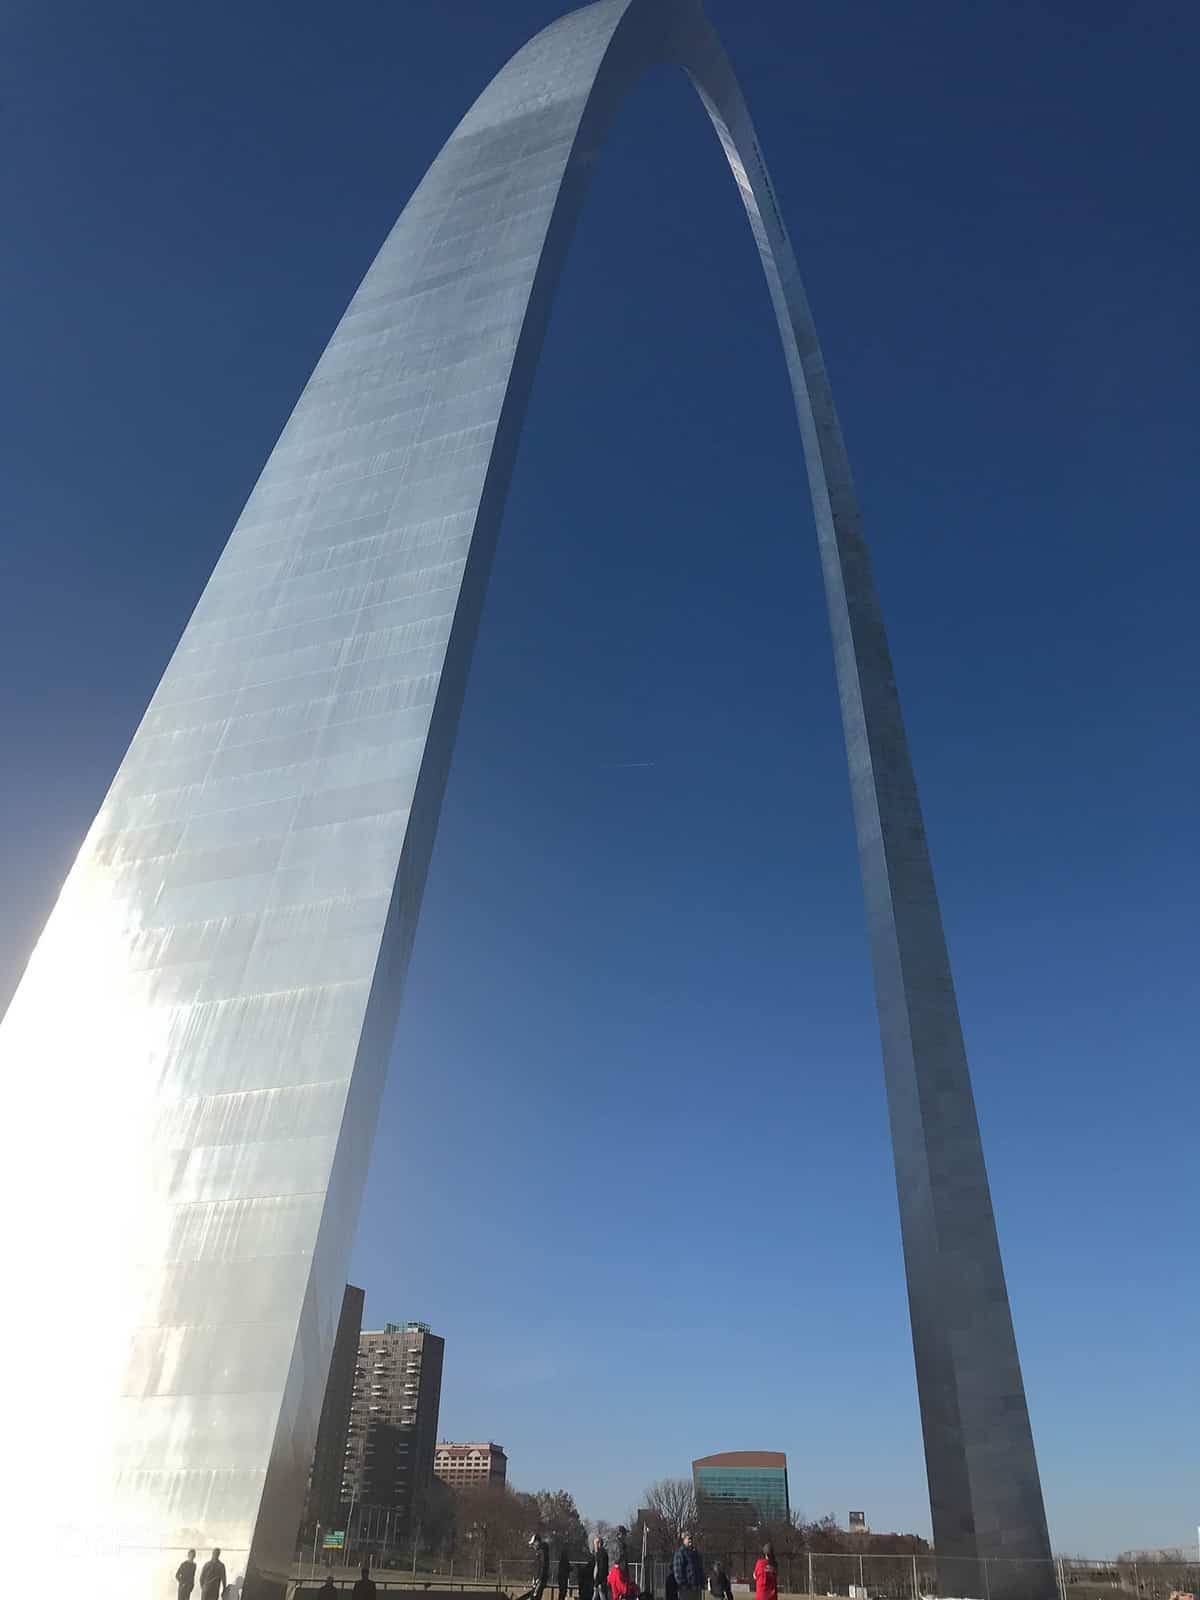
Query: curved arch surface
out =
(249, 890)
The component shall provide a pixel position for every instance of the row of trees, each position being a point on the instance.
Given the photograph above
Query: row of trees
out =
(671, 1505)
(1176, 1557)
(1151, 1574)
(488, 1524)
(476, 1528)
(484, 1530)
(734, 1534)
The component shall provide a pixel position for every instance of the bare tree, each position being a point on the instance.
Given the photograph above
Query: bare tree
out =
(672, 1502)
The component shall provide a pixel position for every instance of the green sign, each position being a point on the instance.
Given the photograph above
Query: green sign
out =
(334, 1540)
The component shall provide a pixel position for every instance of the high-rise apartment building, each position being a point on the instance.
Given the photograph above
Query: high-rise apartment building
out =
(756, 1478)
(394, 1418)
(468, 1466)
(329, 1460)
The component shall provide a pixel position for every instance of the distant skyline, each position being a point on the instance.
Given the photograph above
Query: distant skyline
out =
(641, 1180)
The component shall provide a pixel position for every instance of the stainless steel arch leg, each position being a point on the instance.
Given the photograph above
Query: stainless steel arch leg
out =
(204, 1025)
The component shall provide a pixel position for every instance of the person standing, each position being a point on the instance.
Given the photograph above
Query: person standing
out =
(688, 1567)
(213, 1582)
(620, 1582)
(541, 1567)
(718, 1583)
(564, 1573)
(766, 1575)
(185, 1578)
(599, 1566)
(621, 1552)
(328, 1590)
(365, 1589)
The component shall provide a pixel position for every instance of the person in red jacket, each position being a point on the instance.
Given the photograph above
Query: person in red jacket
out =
(766, 1578)
(621, 1584)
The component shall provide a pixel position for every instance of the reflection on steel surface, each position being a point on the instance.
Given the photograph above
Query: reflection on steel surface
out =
(196, 1053)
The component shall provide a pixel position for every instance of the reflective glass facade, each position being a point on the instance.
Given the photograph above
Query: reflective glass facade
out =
(193, 1062)
(763, 1488)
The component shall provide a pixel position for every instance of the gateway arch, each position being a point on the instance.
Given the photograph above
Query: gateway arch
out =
(202, 1032)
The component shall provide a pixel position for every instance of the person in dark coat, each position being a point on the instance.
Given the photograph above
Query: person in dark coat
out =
(719, 1585)
(688, 1567)
(185, 1578)
(585, 1580)
(599, 1566)
(564, 1573)
(365, 1589)
(621, 1552)
(213, 1582)
(541, 1567)
(328, 1590)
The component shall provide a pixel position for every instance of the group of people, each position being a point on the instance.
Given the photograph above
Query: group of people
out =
(214, 1585)
(213, 1581)
(687, 1578)
(598, 1579)
(364, 1587)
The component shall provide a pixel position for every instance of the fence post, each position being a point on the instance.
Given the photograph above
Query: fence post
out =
(987, 1588)
(916, 1586)
(811, 1590)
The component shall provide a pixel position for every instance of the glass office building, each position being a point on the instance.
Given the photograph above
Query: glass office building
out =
(755, 1478)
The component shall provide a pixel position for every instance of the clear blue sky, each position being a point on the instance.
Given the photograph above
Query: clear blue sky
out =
(634, 1160)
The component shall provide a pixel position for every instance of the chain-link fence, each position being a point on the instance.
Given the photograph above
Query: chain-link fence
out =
(869, 1575)
(858, 1576)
